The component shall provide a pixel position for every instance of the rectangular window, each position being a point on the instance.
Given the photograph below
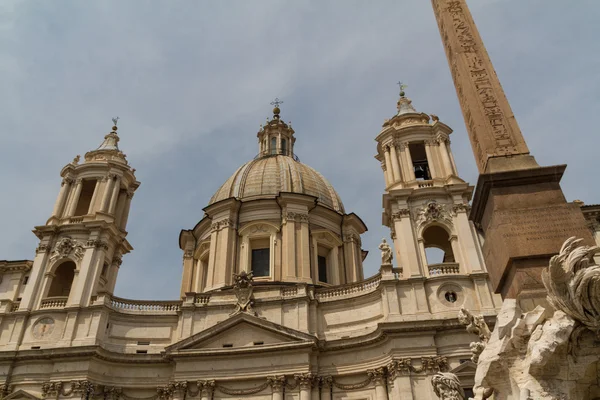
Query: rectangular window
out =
(85, 198)
(419, 159)
(261, 262)
(322, 261)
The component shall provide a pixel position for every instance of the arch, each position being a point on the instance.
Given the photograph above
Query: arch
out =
(257, 248)
(62, 279)
(436, 236)
(283, 146)
(273, 145)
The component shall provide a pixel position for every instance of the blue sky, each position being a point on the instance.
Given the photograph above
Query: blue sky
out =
(192, 82)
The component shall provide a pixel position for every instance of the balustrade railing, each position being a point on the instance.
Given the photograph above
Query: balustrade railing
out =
(54, 302)
(75, 220)
(354, 288)
(289, 292)
(443, 269)
(144, 305)
(202, 299)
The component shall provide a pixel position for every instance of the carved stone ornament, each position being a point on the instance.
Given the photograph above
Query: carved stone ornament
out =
(386, 253)
(397, 216)
(294, 216)
(276, 382)
(548, 352)
(97, 243)
(446, 386)
(477, 326)
(433, 211)
(573, 283)
(242, 286)
(67, 247)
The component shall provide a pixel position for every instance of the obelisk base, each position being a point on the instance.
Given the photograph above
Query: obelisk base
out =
(525, 219)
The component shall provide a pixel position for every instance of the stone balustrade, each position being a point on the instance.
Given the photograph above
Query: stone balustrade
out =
(443, 269)
(353, 289)
(289, 291)
(202, 299)
(145, 306)
(54, 302)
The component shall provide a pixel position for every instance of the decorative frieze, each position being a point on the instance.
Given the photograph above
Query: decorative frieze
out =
(276, 382)
(42, 248)
(295, 216)
(398, 215)
(222, 224)
(97, 243)
(85, 389)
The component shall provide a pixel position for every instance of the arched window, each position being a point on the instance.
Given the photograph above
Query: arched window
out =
(284, 147)
(62, 280)
(273, 145)
(438, 248)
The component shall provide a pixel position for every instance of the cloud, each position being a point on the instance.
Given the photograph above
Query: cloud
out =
(192, 81)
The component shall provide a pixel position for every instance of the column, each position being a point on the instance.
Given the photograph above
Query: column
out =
(326, 386)
(304, 247)
(126, 208)
(208, 387)
(378, 378)
(120, 206)
(32, 289)
(430, 159)
(62, 197)
(399, 384)
(388, 163)
(277, 383)
(385, 175)
(75, 199)
(107, 192)
(305, 383)
(467, 241)
(410, 170)
(447, 164)
(114, 195)
(289, 246)
(408, 258)
(94, 195)
(452, 158)
(279, 143)
(395, 164)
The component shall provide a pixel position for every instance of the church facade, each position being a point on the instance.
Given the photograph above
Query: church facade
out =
(273, 302)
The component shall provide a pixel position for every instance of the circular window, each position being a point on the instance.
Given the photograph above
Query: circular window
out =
(451, 296)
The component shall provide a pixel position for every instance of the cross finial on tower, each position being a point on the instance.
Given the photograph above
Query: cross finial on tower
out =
(276, 102)
(402, 87)
(276, 109)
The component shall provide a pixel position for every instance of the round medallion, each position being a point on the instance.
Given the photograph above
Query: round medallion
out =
(42, 328)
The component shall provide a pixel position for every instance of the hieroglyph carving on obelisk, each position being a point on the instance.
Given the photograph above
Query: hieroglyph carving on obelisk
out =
(492, 127)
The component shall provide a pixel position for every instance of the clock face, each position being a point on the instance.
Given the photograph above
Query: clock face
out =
(43, 328)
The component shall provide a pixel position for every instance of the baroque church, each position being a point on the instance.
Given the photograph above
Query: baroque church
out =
(273, 303)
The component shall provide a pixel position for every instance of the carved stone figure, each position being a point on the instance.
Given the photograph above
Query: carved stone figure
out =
(386, 253)
(242, 286)
(446, 386)
(573, 283)
(547, 353)
(477, 326)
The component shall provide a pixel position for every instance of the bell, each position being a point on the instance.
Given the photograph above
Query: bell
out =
(420, 172)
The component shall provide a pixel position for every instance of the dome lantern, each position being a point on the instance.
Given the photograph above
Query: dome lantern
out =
(276, 137)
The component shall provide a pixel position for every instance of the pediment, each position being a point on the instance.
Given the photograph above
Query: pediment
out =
(465, 368)
(21, 394)
(242, 331)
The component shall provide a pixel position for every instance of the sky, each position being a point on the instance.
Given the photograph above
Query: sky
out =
(192, 81)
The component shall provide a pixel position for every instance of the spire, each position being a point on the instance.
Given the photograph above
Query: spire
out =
(404, 104)
(109, 148)
(112, 139)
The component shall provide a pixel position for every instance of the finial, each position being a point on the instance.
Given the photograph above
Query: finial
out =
(114, 120)
(276, 109)
(402, 87)
(76, 159)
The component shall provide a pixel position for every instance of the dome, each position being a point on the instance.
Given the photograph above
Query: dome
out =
(267, 176)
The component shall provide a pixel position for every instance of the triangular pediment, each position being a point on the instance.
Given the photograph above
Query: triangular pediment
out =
(242, 331)
(22, 394)
(465, 368)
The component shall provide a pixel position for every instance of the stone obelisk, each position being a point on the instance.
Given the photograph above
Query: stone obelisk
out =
(519, 205)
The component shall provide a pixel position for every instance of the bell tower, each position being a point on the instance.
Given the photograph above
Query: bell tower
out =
(426, 202)
(82, 242)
